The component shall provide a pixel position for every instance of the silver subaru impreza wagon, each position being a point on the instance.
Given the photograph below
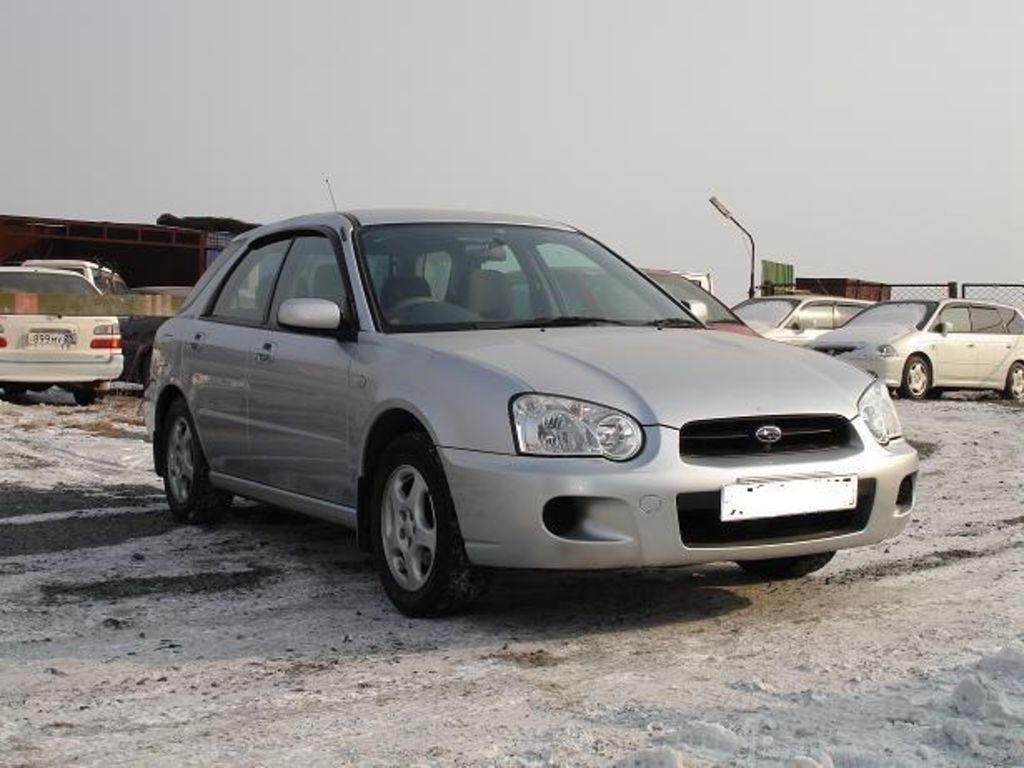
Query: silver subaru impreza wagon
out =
(471, 391)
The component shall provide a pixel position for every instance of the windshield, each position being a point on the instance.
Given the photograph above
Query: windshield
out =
(681, 289)
(43, 282)
(765, 313)
(465, 276)
(906, 313)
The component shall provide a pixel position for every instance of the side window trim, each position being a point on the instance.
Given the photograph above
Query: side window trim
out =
(268, 239)
(335, 241)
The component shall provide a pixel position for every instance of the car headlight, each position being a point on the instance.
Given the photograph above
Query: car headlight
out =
(886, 350)
(879, 413)
(546, 425)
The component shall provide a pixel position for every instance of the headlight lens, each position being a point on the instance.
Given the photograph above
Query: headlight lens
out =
(546, 425)
(879, 413)
(886, 350)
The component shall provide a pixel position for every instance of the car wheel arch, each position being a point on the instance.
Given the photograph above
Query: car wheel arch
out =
(387, 426)
(163, 404)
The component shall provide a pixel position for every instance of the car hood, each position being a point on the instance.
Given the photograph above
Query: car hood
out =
(667, 376)
(859, 335)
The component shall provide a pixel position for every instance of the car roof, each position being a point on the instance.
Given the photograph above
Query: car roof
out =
(43, 271)
(347, 220)
(63, 263)
(976, 302)
(810, 297)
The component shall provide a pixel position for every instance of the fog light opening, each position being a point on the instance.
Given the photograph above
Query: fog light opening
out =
(561, 515)
(905, 494)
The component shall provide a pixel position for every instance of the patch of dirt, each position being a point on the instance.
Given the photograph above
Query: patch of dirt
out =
(924, 449)
(188, 584)
(106, 428)
(934, 560)
(534, 658)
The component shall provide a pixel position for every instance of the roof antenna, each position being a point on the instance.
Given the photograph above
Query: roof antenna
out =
(330, 192)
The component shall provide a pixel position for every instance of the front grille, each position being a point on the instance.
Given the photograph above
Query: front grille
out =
(700, 521)
(724, 437)
(836, 349)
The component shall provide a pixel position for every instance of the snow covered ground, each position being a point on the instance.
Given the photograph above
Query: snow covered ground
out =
(125, 640)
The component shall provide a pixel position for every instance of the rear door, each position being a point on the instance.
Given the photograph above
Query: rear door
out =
(993, 343)
(216, 354)
(299, 389)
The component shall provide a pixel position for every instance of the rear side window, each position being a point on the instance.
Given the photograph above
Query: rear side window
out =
(1014, 322)
(817, 316)
(310, 272)
(844, 312)
(987, 320)
(245, 295)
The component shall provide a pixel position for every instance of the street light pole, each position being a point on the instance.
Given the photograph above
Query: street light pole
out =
(753, 248)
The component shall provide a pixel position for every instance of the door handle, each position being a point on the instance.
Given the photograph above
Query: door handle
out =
(197, 342)
(265, 353)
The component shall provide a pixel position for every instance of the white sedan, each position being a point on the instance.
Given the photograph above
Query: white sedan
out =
(79, 353)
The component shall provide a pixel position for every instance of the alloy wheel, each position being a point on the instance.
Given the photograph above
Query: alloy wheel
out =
(408, 527)
(180, 460)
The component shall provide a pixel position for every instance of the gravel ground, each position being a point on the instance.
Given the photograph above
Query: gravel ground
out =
(126, 640)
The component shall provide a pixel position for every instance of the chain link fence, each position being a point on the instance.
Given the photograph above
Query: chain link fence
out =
(922, 291)
(1002, 293)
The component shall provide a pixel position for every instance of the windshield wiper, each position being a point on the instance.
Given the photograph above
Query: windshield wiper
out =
(565, 321)
(673, 322)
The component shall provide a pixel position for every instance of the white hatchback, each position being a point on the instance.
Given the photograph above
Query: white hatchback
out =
(38, 350)
(798, 320)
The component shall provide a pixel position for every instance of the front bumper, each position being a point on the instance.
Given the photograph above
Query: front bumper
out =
(886, 369)
(627, 514)
(106, 368)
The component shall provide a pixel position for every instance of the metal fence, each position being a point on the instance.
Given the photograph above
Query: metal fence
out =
(924, 291)
(1002, 293)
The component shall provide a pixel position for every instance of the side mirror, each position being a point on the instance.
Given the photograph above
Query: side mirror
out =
(309, 315)
(699, 310)
(796, 326)
(944, 328)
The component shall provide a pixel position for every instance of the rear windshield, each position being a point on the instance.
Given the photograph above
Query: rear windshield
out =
(43, 282)
(765, 313)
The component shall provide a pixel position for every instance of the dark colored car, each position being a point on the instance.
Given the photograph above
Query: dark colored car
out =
(138, 331)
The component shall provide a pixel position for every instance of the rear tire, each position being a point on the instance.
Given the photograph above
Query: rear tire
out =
(917, 378)
(418, 549)
(1014, 389)
(787, 567)
(190, 495)
(84, 395)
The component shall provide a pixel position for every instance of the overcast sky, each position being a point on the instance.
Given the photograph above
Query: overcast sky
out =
(880, 140)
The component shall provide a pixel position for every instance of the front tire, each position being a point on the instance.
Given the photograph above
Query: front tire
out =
(787, 567)
(917, 378)
(418, 549)
(190, 495)
(1014, 389)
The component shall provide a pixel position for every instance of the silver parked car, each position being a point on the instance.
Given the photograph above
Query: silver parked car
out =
(798, 319)
(471, 391)
(923, 347)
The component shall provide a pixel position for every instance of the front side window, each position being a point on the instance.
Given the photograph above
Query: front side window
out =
(987, 320)
(245, 295)
(956, 319)
(909, 314)
(310, 272)
(470, 276)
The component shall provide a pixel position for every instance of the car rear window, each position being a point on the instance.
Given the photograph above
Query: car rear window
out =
(43, 282)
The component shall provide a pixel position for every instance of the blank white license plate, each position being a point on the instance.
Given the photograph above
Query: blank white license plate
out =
(756, 500)
(51, 339)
